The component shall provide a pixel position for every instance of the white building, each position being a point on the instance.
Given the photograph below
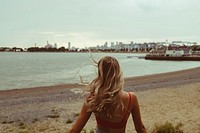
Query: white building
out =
(174, 53)
(48, 45)
(69, 45)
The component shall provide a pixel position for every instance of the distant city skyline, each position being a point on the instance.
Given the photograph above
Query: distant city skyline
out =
(25, 23)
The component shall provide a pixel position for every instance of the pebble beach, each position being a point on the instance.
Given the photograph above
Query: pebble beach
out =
(172, 97)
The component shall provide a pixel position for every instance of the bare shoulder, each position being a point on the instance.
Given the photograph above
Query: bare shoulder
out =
(134, 99)
(133, 96)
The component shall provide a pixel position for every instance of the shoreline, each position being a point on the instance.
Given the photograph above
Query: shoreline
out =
(159, 80)
(162, 97)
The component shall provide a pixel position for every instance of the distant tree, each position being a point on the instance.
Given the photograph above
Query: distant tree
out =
(42, 49)
(33, 49)
(195, 48)
(51, 49)
(61, 49)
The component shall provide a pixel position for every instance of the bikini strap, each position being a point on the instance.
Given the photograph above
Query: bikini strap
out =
(128, 108)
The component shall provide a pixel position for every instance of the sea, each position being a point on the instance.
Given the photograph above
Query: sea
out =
(25, 70)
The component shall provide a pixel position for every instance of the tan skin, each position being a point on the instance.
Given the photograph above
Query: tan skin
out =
(134, 110)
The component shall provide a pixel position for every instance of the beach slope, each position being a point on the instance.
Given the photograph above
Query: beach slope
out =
(172, 97)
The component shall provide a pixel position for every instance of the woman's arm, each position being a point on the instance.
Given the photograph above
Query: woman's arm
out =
(137, 116)
(81, 120)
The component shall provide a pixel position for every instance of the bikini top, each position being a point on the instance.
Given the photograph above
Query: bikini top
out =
(116, 125)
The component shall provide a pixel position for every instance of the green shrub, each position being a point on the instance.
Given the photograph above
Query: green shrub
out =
(53, 116)
(69, 121)
(168, 128)
(4, 122)
(76, 114)
(22, 126)
(34, 120)
(84, 131)
(92, 131)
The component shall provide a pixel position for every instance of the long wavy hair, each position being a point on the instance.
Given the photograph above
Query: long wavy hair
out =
(105, 90)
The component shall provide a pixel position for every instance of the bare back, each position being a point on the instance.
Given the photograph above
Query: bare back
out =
(118, 123)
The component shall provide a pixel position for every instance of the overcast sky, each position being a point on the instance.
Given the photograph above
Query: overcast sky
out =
(91, 22)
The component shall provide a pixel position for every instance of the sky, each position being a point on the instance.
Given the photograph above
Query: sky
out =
(84, 23)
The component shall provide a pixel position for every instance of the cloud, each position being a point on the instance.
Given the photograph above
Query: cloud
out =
(166, 5)
(60, 35)
(83, 37)
(94, 21)
(47, 32)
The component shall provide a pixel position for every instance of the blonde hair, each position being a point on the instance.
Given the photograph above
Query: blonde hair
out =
(105, 89)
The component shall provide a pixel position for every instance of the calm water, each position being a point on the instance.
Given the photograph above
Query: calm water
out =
(19, 70)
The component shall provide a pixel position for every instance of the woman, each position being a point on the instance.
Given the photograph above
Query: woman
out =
(107, 100)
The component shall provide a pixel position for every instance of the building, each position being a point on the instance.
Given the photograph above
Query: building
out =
(55, 45)
(174, 53)
(69, 45)
(48, 45)
(178, 51)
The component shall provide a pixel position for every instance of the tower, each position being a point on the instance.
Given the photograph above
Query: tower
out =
(69, 45)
